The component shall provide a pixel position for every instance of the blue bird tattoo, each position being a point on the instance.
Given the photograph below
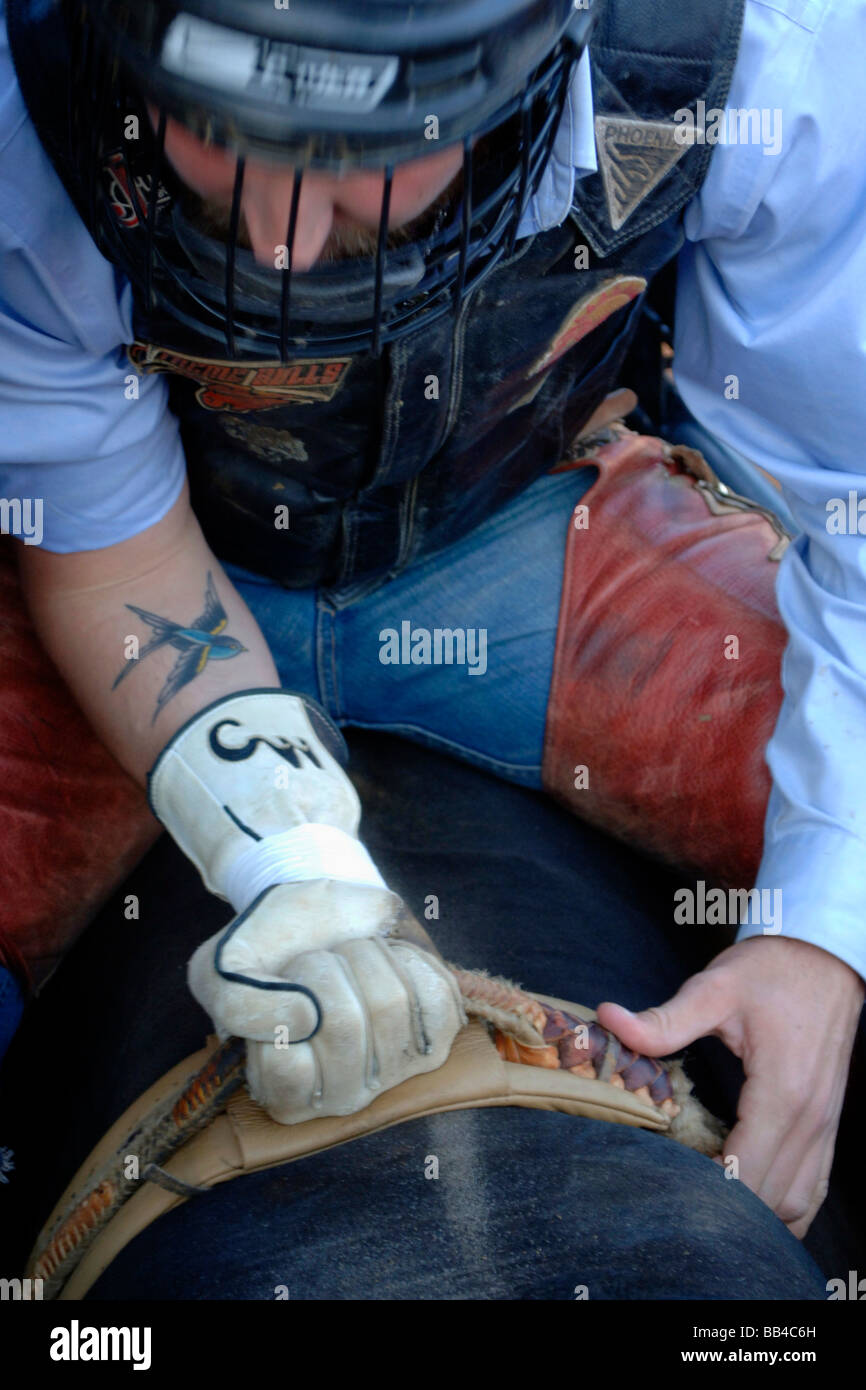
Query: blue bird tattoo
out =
(202, 641)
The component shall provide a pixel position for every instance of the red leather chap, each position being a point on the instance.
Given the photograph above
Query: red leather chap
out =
(666, 684)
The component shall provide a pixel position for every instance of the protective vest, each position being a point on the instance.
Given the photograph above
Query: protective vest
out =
(341, 471)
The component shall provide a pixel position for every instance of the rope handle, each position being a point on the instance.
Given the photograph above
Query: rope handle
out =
(524, 1031)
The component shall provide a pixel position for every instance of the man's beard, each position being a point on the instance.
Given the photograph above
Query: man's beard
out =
(346, 240)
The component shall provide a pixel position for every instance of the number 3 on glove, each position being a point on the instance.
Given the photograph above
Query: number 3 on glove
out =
(334, 1006)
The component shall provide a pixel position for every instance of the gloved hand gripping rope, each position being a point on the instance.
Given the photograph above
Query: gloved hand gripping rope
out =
(308, 985)
(524, 1029)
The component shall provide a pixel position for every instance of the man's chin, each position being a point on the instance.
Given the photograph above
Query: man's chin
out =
(349, 242)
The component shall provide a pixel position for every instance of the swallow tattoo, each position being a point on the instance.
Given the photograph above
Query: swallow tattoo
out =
(202, 641)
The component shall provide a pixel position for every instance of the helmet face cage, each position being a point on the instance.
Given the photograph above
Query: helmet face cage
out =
(346, 109)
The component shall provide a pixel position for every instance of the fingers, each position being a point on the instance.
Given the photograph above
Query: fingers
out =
(287, 1082)
(441, 1007)
(806, 1194)
(242, 976)
(391, 1007)
(262, 1009)
(807, 1191)
(698, 1009)
(789, 1010)
(793, 1181)
(329, 1074)
(758, 1140)
(785, 1139)
(389, 1011)
(800, 1209)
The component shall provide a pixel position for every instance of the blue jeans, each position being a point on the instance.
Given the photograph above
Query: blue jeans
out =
(505, 579)
(528, 1204)
(500, 587)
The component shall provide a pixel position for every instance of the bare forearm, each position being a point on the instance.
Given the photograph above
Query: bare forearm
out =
(146, 633)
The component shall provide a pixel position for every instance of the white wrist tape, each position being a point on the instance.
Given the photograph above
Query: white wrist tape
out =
(304, 852)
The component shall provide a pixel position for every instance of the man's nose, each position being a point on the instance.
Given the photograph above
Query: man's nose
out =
(267, 203)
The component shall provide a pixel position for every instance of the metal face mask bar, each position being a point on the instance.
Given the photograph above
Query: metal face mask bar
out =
(324, 86)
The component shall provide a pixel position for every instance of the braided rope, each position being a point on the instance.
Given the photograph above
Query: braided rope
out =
(161, 1132)
(524, 1031)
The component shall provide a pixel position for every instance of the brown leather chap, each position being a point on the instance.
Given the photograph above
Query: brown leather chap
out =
(666, 682)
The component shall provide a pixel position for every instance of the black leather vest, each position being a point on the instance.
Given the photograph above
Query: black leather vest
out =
(379, 463)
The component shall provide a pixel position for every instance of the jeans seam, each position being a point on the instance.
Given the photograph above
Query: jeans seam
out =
(350, 540)
(391, 435)
(326, 660)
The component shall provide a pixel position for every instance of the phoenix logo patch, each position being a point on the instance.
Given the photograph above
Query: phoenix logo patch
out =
(245, 386)
(634, 156)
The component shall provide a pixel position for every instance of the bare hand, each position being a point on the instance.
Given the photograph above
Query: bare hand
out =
(789, 1010)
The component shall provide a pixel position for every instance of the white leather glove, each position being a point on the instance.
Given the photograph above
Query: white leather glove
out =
(334, 1008)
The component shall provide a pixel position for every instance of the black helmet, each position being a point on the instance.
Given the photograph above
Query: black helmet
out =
(313, 84)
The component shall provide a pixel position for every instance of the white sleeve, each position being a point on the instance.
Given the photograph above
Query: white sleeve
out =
(770, 355)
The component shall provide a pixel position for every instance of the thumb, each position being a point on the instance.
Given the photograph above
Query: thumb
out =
(694, 1011)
